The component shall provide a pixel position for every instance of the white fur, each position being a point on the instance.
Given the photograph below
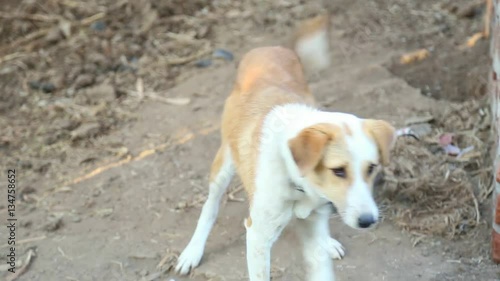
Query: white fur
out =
(191, 256)
(313, 51)
(276, 201)
(297, 117)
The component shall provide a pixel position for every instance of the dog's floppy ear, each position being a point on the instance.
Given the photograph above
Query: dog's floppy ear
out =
(308, 146)
(384, 135)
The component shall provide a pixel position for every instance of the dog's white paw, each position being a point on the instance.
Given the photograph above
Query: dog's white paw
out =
(189, 259)
(335, 249)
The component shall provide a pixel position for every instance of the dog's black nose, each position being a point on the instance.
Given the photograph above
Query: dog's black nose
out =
(366, 220)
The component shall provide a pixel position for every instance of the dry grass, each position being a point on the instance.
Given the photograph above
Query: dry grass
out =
(431, 193)
(69, 71)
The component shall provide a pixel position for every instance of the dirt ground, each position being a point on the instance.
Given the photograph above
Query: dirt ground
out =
(111, 124)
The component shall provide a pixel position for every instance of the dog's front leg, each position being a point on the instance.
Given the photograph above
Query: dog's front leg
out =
(314, 232)
(263, 228)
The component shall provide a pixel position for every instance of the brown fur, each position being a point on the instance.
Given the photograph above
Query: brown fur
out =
(311, 26)
(319, 149)
(334, 188)
(336, 155)
(267, 77)
(369, 178)
(383, 134)
(248, 222)
(217, 163)
(308, 147)
(347, 130)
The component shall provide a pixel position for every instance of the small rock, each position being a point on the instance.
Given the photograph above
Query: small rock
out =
(98, 59)
(133, 60)
(84, 80)
(223, 54)
(26, 223)
(470, 11)
(6, 70)
(5, 142)
(64, 124)
(90, 68)
(121, 152)
(104, 212)
(73, 73)
(143, 272)
(59, 80)
(54, 35)
(153, 276)
(53, 224)
(98, 26)
(65, 28)
(204, 63)
(88, 160)
(203, 31)
(96, 193)
(48, 88)
(102, 92)
(438, 17)
(28, 190)
(182, 205)
(76, 219)
(51, 139)
(43, 168)
(35, 85)
(425, 252)
(87, 130)
(444, 28)
(234, 13)
(70, 92)
(25, 164)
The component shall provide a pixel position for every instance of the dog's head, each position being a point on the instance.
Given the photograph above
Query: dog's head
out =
(340, 162)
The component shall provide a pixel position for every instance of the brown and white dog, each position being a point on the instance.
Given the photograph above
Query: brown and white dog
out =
(293, 159)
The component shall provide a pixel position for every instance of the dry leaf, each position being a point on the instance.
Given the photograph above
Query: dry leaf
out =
(104, 212)
(177, 101)
(148, 21)
(472, 41)
(65, 27)
(173, 101)
(414, 56)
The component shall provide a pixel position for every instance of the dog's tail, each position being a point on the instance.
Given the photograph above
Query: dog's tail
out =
(311, 43)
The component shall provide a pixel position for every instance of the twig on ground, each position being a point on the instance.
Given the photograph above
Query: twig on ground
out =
(27, 262)
(232, 195)
(42, 32)
(174, 60)
(27, 240)
(33, 17)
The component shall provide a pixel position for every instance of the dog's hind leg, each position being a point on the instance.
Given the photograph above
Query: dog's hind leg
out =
(221, 173)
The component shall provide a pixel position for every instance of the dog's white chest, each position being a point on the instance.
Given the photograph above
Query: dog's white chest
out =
(304, 205)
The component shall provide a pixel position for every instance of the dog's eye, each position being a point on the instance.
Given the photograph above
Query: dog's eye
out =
(339, 172)
(371, 168)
